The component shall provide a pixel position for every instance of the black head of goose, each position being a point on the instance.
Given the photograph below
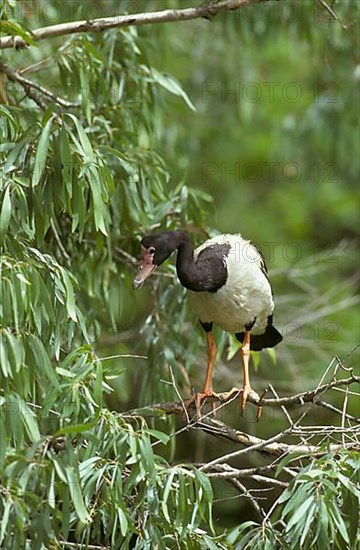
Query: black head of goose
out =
(228, 286)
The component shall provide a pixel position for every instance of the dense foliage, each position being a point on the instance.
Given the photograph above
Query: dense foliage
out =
(86, 170)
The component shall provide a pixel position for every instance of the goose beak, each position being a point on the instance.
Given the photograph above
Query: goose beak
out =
(145, 269)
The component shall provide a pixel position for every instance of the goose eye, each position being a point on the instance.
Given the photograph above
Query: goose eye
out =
(152, 250)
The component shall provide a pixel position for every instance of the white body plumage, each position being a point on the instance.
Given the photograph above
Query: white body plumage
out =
(246, 294)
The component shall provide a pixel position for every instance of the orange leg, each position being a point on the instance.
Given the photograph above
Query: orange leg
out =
(245, 355)
(211, 356)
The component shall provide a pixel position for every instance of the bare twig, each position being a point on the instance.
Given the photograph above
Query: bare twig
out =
(328, 9)
(330, 407)
(57, 237)
(270, 446)
(29, 86)
(238, 485)
(236, 473)
(283, 408)
(206, 11)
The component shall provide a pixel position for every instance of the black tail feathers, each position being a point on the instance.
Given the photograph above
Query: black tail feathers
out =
(269, 339)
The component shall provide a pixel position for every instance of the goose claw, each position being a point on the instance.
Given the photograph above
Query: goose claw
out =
(198, 399)
(246, 392)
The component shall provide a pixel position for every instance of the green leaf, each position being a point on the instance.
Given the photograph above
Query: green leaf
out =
(123, 521)
(66, 161)
(233, 348)
(42, 359)
(29, 420)
(41, 153)
(78, 428)
(98, 203)
(84, 140)
(5, 366)
(349, 485)
(171, 85)
(51, 493)
(299, 513)
(339, 522)
(98, 384)
(13, 28)
(76, 494)
(16, 351)
(282, 464)
(309, 519)
(147, 455)
(164, 438)
(166, 493)
(70, 297)
(5, 113)
(5, 214)
(5, 518)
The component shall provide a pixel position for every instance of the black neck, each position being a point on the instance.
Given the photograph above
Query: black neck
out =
(199, 276)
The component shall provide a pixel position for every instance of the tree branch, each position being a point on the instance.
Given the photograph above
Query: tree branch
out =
(29, 85)
(273, 446)
(238, 485)
(177, 407)
(206, 11)
(270, 446)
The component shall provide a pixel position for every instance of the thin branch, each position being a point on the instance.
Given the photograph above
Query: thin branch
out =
(28, 85)
(298, 399)
(270, 446)
(273, 446)
(330, 407)
(206, 11)
(249, 496)
(283, 408)
(329, 9)
(226, 469)
(235, 474)
(57, 236)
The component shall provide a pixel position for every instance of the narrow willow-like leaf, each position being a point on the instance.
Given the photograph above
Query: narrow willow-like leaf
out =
(299, 513)
(51, 493)
(42, 359)
(84, 140)
(70, 297)
(5, 367)
(76, 494)
(123, 521)
(339, 523)
(41, 154)
(5, 113)
(30, 422)
(98, 386)
(66, 161)
(306, 526)
(5, 214)
(168, 488)
(164, 438)
(16, 351)
(171, 85)
(95, 185)
(5, 518)
(75, 429)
